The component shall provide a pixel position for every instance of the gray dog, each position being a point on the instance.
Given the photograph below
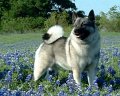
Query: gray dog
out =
(79, 52)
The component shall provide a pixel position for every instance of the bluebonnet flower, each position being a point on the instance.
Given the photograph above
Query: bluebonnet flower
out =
(110, 89)
(115, 52)
(100, 81)
(95, 84)
(13, 68)
(117, 81)
(62, 93)
(2, 91)
(96, 93)
(20, 76)
(111, 71)
(29, 92)
(64, 85)
(102, 67)
(89, 89)
(71, 89)
(28, 78)
(40, 88)
(1, 75)
(102, 73)
(79, 94)
(58, 82)
(18, 93)
(87, 94)
(112, 82)
(8, 62)
(50, 78)
(8, 78)
(105, 85)
(70, 76)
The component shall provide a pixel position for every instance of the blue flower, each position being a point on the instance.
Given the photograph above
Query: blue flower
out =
(110, 89)
(40, 88)
(1, 75)
(62, 93)
(20, 77)
(58, 82)
(71, 89)
(87, 94)
(102, 67)
(79, 94)
(102, 72)
(70, 76)
(28, 78)
(112, 82)
(96, 94)
(117, 81)
(18, 93)
(89, 89)
(50, 78)
(111, 71)
(8, 78)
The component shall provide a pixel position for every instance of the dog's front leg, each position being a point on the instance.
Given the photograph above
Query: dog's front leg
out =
(76, 75)
(91, 74)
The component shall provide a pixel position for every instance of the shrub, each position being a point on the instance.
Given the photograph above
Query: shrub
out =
(57, 18)
(22, 24)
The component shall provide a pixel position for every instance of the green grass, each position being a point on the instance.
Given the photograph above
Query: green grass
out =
(109, 34)
(13, 38)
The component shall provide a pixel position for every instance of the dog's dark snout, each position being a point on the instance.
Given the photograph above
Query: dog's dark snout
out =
(46, 36)
(76, 30)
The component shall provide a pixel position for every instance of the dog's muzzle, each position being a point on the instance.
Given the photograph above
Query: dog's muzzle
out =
(81, 33)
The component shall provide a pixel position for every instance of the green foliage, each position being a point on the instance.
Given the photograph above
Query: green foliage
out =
(110, 21)
(57, 18)
(22, 15)
(30, 8)
(22, 24)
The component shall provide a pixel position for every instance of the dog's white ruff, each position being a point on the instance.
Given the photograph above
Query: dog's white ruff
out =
(55, 33)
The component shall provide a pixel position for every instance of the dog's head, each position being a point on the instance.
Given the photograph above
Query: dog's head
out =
(83, 26)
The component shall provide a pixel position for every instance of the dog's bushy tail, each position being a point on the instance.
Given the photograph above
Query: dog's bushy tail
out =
(54, 33)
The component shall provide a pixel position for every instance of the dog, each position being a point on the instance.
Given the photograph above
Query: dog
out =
(79, 52)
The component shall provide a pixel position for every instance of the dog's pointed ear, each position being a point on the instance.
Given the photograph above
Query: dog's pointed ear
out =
(91, 15)
(74, 16)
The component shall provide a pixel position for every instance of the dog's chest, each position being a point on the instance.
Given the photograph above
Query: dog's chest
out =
(85, 53)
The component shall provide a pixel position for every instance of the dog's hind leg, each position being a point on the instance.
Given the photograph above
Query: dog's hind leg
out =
(41, 65)
(39, 69)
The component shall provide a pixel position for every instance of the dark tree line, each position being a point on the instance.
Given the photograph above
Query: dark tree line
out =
(19, 15)
(33, 8)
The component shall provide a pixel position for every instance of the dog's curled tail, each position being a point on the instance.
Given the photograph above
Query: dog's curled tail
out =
(54, 33)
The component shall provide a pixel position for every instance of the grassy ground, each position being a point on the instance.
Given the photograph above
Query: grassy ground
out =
(16, 68)
(12, 38)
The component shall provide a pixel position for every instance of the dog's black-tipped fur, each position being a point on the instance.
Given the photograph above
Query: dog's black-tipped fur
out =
(46, 36)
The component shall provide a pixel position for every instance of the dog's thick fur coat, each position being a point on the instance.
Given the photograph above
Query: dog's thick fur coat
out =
(78, 52)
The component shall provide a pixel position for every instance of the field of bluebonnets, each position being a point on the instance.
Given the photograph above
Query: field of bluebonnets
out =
(16, 69)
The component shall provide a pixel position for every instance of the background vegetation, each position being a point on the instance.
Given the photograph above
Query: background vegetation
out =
(18, 16)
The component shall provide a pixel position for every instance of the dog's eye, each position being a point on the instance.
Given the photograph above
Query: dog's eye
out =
(83, 24)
